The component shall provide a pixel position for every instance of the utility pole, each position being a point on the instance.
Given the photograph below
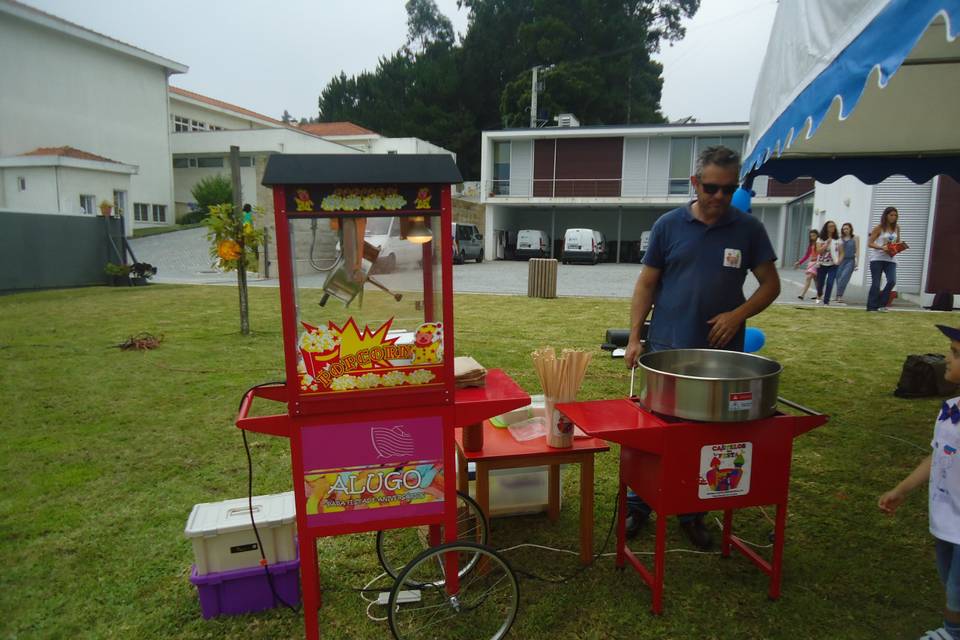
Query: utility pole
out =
(238, 217)
(533, 99)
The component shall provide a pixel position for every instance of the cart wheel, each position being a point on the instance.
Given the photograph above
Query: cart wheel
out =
(396, 547)
(484, 606)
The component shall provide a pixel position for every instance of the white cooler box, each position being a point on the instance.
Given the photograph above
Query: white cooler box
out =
(223, 537)
(522, 490)
(515, 492)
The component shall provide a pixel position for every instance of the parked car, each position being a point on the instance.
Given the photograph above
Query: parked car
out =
(532, 243)
(467, 243)
(583, 245)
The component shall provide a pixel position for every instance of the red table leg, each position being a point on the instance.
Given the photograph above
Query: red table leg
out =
(553, 493)
(586, 509)
(727, 533)
(659, 557)
(779, 531)
(621, 526)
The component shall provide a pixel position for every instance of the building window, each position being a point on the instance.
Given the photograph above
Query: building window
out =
(732, 142)
(501, 168)
(21, 183)
(88, 204)
(119, 202)
(180, 163)
(210, 162)
(141, 211)
(181, 124)
(159, 213)
(681, 162)
(246, 161)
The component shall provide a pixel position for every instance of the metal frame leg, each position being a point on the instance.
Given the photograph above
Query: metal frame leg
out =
(659, 558)
(310, 585)
(776, 568)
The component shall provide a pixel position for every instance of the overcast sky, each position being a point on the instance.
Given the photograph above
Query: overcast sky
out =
(271, 60)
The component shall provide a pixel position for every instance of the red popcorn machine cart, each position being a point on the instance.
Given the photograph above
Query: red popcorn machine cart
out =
(704, 435)
(364, 250)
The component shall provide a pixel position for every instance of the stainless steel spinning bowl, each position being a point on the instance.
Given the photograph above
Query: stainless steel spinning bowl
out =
(710, 385)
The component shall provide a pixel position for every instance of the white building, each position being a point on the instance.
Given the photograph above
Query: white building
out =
(203, 129)
(355, 136)
(65, 86)
(614, 179)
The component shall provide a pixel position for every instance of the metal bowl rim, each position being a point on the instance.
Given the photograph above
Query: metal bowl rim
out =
(689, 377)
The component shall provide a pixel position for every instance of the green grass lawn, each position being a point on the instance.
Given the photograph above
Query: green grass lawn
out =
(105, 452)
(143, 232)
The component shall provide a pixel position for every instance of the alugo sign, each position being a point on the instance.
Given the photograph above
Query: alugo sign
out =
(352, 469)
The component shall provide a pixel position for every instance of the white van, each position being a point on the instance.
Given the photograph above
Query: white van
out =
(532, 243)
(395, 252)
(583, 245)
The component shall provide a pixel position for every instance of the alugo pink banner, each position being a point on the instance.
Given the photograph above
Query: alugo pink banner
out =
(367, 471)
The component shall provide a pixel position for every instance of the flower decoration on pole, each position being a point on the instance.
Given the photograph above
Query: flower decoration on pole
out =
(234, 243)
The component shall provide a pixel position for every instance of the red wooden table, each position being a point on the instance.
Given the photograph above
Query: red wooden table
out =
(502, 451)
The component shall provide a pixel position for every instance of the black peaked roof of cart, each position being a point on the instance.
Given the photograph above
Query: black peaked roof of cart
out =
(329, 168)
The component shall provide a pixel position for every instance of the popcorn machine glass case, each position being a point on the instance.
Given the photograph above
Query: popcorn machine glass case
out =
(370, 290)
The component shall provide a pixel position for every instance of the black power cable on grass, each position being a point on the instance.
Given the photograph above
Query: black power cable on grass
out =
(253, 522)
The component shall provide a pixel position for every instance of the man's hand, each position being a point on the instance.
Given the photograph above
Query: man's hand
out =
(723, 328)
(633, 352)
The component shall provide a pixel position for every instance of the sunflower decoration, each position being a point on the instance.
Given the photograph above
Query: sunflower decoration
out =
(234, 238)
(228, 250)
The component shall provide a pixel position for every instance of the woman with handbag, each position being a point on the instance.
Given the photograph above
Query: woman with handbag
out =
(829, 257)
(883, 259)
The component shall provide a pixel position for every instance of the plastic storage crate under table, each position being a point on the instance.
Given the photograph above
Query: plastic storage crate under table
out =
(247, 590)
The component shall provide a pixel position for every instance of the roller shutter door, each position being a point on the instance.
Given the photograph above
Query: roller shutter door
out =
(913, 203)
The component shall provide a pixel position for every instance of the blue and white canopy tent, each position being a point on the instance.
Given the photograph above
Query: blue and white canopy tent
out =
(868, 88)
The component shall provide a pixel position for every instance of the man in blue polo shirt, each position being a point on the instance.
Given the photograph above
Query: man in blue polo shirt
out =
(693, 274)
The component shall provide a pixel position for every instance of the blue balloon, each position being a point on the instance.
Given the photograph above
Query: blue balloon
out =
(753, 340)
(741, 199)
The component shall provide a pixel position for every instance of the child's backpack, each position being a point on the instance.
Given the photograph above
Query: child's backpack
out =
(922, 376)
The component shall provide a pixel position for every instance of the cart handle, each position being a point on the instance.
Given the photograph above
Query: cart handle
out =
(798, 407)
(277, 425)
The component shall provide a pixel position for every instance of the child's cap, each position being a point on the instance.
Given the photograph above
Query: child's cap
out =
(950, 332)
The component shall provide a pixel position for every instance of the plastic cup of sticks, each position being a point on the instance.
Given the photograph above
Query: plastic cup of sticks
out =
(561, 379)
(559, 427)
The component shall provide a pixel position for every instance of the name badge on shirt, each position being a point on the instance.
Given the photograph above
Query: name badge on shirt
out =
(731, 258)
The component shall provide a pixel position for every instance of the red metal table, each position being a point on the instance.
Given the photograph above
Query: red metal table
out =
(678, 467)
(502, 451)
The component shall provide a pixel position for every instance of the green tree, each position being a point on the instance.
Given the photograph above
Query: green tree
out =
(447, 93)
(426, 25)
(208, 192)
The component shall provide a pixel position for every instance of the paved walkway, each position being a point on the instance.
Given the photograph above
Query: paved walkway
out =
(182, 257)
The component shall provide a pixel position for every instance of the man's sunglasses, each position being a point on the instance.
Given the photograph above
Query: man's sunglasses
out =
(710, 188)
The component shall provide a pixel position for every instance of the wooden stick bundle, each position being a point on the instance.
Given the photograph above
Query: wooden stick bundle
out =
(561, 379)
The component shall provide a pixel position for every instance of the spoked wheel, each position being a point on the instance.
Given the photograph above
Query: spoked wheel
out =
(483, 606)
(397, 547)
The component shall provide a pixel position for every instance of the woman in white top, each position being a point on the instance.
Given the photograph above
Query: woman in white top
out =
(881, 262)
(829, 257)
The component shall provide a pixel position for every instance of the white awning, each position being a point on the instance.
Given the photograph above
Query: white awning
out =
(859, 87)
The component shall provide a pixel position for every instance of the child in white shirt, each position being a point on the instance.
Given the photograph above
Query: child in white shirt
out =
(942, 471)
